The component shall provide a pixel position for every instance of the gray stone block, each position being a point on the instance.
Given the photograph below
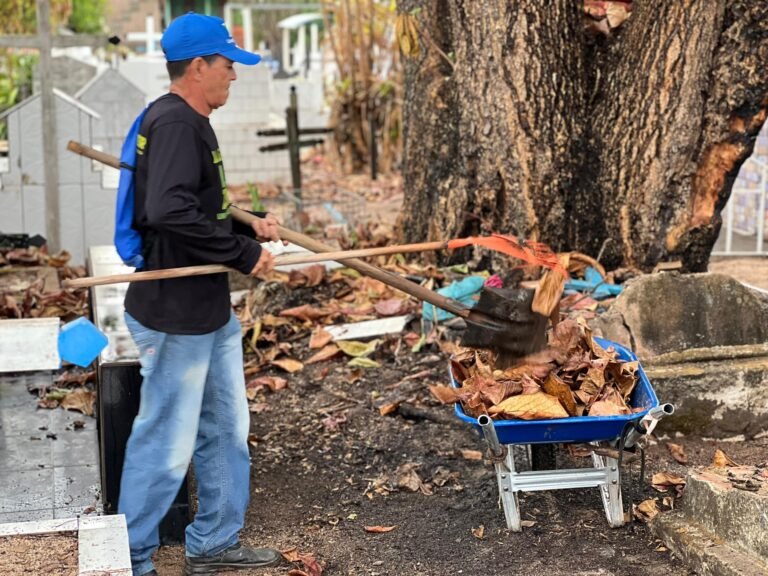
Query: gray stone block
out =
(718, 529)
(662, 313)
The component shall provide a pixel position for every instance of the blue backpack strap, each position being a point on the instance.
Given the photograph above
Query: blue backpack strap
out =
(128, 240)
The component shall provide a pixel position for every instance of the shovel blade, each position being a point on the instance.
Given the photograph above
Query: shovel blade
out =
(514, 330)
(80, 342)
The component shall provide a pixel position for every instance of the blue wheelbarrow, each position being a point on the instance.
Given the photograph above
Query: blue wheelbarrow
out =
(609, 435)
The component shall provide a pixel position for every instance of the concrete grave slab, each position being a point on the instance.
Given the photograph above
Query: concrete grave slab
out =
(29, 344)
(102, 541)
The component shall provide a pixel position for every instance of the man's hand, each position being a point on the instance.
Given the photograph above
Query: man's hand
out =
(264, 264)
(266, 228)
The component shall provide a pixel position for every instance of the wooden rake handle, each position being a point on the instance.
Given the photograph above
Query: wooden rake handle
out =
(282, 260)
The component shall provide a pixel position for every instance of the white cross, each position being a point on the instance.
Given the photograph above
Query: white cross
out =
(149, 36)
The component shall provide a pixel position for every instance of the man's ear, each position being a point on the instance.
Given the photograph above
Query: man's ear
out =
(197, 65)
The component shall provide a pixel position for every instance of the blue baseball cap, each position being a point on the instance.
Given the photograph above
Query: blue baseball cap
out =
(193, 35)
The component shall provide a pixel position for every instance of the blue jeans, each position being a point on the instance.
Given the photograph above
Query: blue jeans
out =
(193, 407)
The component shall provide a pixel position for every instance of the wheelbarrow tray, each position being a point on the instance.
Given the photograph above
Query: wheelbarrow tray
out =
(575, 428)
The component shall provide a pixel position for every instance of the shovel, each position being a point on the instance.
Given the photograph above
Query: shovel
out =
(502, 320)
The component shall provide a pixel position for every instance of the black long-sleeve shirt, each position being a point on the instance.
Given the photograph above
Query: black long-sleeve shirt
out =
(181, 211)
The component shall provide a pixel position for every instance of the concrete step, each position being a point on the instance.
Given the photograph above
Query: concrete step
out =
(700, 550)
(719, 529)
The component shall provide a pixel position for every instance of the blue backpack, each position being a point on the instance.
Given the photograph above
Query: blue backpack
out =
(127, 239)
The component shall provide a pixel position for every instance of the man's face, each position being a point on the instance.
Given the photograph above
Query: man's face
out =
(216, 78)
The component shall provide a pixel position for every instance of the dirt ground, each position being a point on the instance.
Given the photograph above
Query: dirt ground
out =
(326, 465)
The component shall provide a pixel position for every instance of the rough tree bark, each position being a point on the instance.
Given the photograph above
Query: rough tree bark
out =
(538, 128)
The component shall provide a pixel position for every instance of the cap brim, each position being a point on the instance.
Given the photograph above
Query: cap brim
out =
(241, 56)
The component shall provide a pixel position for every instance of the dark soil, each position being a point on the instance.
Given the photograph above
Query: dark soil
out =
(325, 466)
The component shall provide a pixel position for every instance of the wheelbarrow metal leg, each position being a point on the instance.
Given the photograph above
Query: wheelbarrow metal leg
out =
(610, 489)
(504, 463)
(504, 474)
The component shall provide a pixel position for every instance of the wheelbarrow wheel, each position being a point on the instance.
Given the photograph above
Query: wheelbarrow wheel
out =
(543, 457)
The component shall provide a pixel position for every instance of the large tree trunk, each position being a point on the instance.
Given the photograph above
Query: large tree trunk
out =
(539, 129)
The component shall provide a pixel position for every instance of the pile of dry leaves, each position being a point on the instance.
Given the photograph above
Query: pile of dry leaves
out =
(33, 297)
(73, 389)
(574, 376)
(288, 337)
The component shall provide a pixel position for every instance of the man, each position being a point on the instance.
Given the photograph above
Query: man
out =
(193, 404)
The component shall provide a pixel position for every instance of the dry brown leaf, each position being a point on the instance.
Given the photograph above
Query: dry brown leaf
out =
(325, 354)
(320, 337)
(408, 478)
(314, 274)
(647, 510)
(530, 407)
(391, 307)
(388, 408)
(722, 460)
(308, 276)
(379, 529)
(311, 565)
(548, 292)
(554, 386)
(678, 453)
(445, 394)
(607, 408)
(274, 383)
(662, 481)
(306, 312)
(80, 399)
(272, 321)
(471, 454)
(290, 555)
(479, 532)
(290, 365)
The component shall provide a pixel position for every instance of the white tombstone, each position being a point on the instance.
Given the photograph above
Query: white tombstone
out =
(86, 210)
(148, 72)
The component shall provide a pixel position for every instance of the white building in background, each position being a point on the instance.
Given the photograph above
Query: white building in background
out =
(745, 215)
(304, 56)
